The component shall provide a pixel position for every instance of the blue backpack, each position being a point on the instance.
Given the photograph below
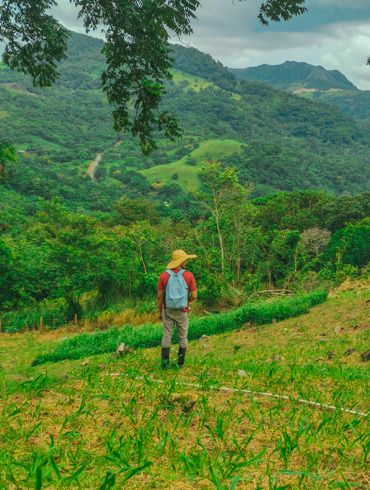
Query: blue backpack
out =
(176, 291)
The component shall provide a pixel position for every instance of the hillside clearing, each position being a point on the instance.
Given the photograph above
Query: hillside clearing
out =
(192, 82)
(188, 173)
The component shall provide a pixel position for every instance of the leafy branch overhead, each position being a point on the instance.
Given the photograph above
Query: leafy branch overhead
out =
(137, 50)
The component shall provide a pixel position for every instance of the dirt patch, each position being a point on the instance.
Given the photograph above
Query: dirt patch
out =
(16, 87)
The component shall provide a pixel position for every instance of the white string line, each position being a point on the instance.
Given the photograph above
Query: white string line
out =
(260, 393)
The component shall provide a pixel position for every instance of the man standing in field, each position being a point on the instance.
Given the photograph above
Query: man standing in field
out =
(176, 289)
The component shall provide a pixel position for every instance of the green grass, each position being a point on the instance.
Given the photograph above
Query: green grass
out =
(306, 95)
(79, 425)
(256, 312)
(188, 175)
(193, 82)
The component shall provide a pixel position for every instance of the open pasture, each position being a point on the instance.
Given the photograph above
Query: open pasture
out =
(188, 175)
(104, 423)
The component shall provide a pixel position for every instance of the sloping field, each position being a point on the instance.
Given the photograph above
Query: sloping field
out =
(191, 82)
(107, 423)
(195, 83)
(188, 174)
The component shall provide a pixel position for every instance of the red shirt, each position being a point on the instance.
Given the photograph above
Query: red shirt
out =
(188, 277)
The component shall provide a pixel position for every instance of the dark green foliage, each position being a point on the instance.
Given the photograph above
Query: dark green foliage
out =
(138, 60)
(283, 254)
(278, 10)
(191, 161)
(35, 41)
(310, 119)
(7, 289)
(131, 211)
(298, 210)
(352, 244)
(346, 209)
(84, 66)
(354, 103)
(8, 156)
(258, 313)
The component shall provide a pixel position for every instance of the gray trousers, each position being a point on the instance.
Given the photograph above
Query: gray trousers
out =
(169, 318)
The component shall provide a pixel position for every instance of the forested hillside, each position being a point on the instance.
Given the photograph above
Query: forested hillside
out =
(75, 245)
(60, 130)
(354, 103)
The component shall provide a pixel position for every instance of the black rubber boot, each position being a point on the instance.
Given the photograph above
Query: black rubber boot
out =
(181, 357)
(165, 357)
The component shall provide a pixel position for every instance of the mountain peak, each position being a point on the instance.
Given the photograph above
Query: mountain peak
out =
(294, 75)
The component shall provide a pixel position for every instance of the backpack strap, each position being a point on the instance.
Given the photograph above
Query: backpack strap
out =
(171, 273)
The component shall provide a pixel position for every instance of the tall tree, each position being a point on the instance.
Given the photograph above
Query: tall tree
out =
(223, 195)
(137, 50)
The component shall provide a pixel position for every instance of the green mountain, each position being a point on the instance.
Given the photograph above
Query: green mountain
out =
(277, 141)
(292, 76)
(314, 83)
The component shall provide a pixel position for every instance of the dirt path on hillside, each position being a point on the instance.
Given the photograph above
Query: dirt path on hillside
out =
(93, 166)
(95, 163)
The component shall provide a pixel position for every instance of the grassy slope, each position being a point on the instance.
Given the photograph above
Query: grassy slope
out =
(194, 82)
(87, 411)
(188, 178)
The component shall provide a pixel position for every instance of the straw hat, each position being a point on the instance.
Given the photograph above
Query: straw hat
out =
(178, 257)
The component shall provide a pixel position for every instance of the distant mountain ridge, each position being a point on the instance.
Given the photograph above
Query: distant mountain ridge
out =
(293, 76)
(276, 140)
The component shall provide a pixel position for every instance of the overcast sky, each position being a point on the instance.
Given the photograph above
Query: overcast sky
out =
(332, 33)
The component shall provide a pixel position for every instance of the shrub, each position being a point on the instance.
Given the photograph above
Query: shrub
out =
(191, 161)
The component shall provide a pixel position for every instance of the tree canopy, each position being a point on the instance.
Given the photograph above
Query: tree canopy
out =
(137, 50)
(8, 156)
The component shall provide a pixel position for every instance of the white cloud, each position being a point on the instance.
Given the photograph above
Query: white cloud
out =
(66, 13)
(343, 46)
